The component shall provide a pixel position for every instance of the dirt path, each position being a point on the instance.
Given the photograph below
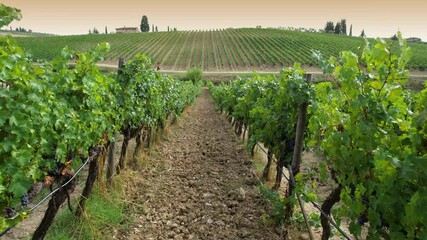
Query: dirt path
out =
(309, 70)
(199, 185)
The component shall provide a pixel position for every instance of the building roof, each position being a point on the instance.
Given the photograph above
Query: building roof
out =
(127, 28)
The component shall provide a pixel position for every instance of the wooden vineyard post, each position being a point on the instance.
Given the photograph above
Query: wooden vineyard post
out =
(292, 179)
(126, 133)
(110, 160)
(112, 146)
(121, 64)
(148, 137)
(138, 140)
(299, 136)
(296, 159)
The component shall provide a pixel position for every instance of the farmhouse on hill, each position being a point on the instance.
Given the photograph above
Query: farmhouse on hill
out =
(127, 30)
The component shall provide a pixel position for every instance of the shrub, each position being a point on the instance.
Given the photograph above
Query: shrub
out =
(194, 74)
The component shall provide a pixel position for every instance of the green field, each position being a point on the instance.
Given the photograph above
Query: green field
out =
(23, 34)
(243, 49)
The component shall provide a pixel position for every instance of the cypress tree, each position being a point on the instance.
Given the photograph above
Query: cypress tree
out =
(343, 26)
(145, 27)
(329, 28)
(337, 29)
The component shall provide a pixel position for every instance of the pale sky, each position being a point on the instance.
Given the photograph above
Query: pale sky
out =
(379, 18)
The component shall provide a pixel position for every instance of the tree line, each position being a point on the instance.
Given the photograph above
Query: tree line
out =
(340, 28)
(145, 26)
(20, 29)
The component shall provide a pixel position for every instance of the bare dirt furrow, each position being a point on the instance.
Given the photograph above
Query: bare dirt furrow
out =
(198, 184)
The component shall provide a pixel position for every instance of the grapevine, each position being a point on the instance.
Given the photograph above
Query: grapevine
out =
(371, 130)
(372, 138)
(269, 107)
(53, 116)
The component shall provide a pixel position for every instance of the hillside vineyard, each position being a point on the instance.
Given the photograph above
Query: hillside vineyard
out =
(215, 50)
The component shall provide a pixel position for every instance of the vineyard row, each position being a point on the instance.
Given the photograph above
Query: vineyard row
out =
(371, 131)
(53, 117)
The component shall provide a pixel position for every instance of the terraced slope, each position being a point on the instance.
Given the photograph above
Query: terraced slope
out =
(216, 50)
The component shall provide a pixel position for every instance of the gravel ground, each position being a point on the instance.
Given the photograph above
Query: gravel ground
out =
(198, 184)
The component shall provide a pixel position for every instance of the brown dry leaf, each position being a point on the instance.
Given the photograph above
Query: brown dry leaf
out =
(68, 164)
(66, 171)
(48, 180)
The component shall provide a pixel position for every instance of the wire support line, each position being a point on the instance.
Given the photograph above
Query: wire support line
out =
(274, 160)
(58, 188)
(330, 220)
(79, 169)
(316, 205)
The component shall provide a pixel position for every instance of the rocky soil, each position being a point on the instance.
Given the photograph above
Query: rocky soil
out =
(198, 184)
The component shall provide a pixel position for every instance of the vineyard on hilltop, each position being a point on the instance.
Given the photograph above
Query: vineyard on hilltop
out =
(216, 50)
